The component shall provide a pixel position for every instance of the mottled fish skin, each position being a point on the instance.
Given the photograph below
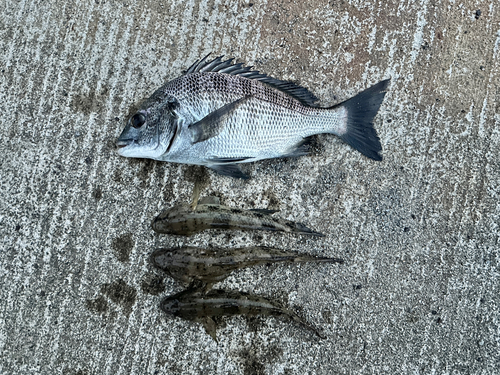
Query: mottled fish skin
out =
(182, 220)
(196, 306)
(208, 266)
(221, 114)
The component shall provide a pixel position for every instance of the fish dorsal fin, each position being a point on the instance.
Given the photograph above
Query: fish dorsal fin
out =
(263, 211)
(209, 200)
(217, 65)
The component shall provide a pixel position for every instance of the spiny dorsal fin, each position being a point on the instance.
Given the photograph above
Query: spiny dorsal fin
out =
(217, 65)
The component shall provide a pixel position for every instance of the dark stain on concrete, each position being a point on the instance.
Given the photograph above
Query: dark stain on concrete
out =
(91, 102)
(98, 305)
(97, 193)
(254, 358)
(274, 203)
(254, 323)
(152, 284)
(122, 247)
(120, 293)
(252, 366)
(316, 147)
(195, 173)
(117, 176)
(70, 371)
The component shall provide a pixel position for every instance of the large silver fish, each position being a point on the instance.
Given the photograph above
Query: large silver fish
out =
(220, 114)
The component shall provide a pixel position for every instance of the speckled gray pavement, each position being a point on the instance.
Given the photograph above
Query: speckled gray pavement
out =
(419, 292)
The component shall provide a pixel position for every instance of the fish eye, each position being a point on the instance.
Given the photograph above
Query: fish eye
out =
(137, 120)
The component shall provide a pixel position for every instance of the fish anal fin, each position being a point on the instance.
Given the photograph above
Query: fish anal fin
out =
(212, 124)
(301, 149)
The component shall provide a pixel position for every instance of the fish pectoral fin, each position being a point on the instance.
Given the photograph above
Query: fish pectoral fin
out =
(212, 124)
(195, 196)
(230, 169)
(210, 327)
(210, 200)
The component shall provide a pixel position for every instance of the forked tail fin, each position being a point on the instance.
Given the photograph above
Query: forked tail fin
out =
(361, 110)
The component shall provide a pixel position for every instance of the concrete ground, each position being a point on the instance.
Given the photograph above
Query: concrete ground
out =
(419, 292)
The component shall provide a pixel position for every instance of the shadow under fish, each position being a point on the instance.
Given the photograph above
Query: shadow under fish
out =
(205, 267)
(210, 214)
(196, 306)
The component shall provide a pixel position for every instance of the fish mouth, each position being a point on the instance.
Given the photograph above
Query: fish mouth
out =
(121, 143)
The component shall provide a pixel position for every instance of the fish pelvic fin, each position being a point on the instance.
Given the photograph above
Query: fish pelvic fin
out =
(229, 169)
(361, 110)
(210, 326)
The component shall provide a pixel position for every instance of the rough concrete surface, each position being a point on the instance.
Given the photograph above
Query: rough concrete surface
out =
(419, 231)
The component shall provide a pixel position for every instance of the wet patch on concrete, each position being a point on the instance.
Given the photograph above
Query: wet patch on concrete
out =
(70, 371)
(152, 284)
(122, 247)
(91, 102)
(199, 176)
(98, 305)
(147, 169)
(120, 293)
(97, 193)
(274, 203)
(254, 359)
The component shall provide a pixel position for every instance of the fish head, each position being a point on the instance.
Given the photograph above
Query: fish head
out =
(173, 220)
(163, 259)
(149, 132)
(171, 306)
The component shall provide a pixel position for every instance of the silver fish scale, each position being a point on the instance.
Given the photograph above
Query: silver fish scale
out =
(267, 125)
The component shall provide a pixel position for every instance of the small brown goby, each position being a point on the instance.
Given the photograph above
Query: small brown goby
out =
(210, 214)
(208, 266)
(196, 306)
